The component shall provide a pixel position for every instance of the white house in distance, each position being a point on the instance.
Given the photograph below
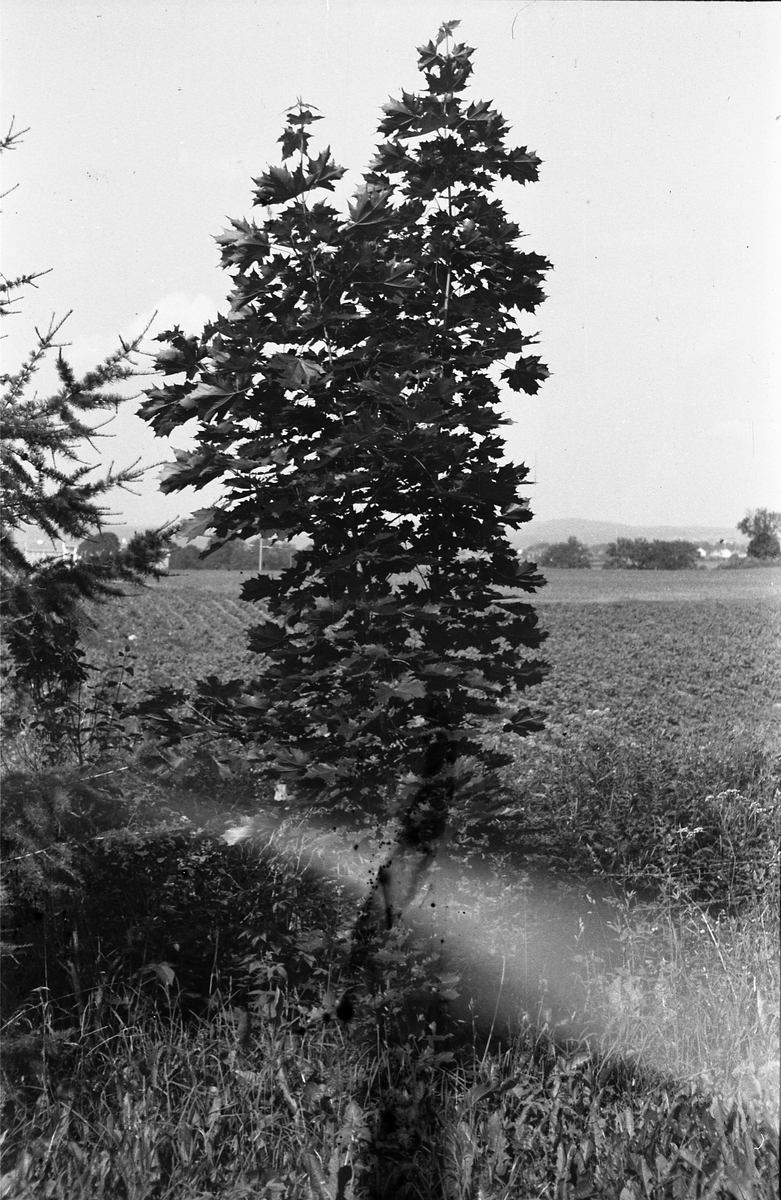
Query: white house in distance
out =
(35, 548)
(35, 545)
(719, 552)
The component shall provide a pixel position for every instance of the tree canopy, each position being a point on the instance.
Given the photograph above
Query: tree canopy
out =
(104, 544)
(348, 395)
(571, 554)
(761, 528)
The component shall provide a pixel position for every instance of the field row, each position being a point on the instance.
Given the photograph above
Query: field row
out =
(696, 665)
(657, 668)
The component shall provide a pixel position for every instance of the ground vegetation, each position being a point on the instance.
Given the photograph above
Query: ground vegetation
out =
(182, 1019)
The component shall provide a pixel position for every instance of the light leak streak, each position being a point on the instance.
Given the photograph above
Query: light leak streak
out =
(523, 947)
(517, 945)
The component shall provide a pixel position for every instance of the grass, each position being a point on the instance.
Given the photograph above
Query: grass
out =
(129, 1088)
(324, 1116)
(696, 997)
(187, 1019)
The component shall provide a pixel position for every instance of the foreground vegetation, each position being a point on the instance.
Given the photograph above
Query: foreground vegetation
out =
(184, 1016)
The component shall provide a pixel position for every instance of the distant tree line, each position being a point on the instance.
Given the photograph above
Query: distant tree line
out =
(628, 554)
(638, 554)
(233, 556)
(570, 554)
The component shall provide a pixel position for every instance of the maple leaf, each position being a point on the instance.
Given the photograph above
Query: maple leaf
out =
(519, 165)
(428, 55)
(399, 276)
(480, 111)
(303, 116)
(527, 375)
(208, 391)
(445, 30)
(199, 523)
(369, 206)
(278, 185)
(295, 373)
(401, 115)
(265, 637)
(294, 140)
(323, 171)
(390, 158)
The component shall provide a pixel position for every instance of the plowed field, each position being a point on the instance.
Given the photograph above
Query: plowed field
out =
(649, 651)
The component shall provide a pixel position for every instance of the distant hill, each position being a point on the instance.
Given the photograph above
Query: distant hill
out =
(594, 533)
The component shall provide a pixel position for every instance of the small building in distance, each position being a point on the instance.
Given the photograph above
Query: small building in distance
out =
(36, 546)
(712, 554)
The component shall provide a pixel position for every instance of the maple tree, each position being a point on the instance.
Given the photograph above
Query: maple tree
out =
(350, 395)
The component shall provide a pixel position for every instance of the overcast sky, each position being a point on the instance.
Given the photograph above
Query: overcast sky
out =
(658, 125)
